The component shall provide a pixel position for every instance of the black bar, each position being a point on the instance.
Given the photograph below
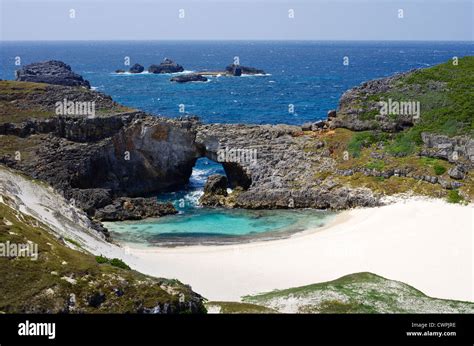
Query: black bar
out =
(242, 329)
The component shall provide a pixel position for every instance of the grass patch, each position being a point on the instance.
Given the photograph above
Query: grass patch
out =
(439, 170)
(72, 241)
(376, 164)
(364, 140)
(403, 144)
(454, 197)
(116, 262)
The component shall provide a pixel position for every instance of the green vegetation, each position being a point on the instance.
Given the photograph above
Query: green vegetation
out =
(439, 167)
(373, 153)
(47, 284)
(364, 140)
(116, 262)
(73, 242)
(357, 293)
(403, 144)
(446, 97)
(439, 170)
(376, 164)
(454, 197)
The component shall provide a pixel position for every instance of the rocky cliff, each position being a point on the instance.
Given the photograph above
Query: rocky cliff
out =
(93, 160)
(121, 152)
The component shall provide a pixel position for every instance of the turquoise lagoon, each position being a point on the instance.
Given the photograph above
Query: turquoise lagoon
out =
(217, 226)
(196, 225)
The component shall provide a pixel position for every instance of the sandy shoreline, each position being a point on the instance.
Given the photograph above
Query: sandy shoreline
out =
(425, 243)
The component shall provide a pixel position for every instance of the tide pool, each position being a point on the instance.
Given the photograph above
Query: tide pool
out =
(217, 226)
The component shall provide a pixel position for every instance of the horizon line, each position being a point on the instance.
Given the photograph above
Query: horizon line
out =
(237, 40)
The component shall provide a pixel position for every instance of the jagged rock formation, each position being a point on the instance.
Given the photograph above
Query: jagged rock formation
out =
(167, 66)
(237, 70)
(51, 72)
(190, 77)
(270, 168)
(458, 149)
(215, 191)
(92, 161)
(134, 209)
(136, 68)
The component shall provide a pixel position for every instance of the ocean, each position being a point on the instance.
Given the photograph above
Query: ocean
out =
(302, 81)
(310, 76)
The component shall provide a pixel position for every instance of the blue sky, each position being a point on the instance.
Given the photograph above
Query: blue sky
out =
(447, 20)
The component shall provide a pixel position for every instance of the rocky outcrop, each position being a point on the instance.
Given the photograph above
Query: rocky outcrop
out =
(136, 68)
(237, 70)
(189, 77)
(51, 72)
(94, 161)
(125, 208)
(360, 107)
(268, 167)
(147, 155)
(459, 149)
(167, 66)
(215, 191)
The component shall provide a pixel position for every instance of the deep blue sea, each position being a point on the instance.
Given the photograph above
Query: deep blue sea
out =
(310, 76)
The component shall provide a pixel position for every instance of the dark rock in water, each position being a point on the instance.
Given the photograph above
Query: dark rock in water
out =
(125, 208)
(237, 70)
(167, 66)
(51, 72)
(137, 68)
(216, 184)
(191, 77)
(119, 71)
(215, 191)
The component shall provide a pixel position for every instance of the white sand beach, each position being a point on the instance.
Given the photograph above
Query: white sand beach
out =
(425, 243)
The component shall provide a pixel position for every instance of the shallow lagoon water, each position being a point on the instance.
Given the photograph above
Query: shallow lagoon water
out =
(217, 226)
(196, 225)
